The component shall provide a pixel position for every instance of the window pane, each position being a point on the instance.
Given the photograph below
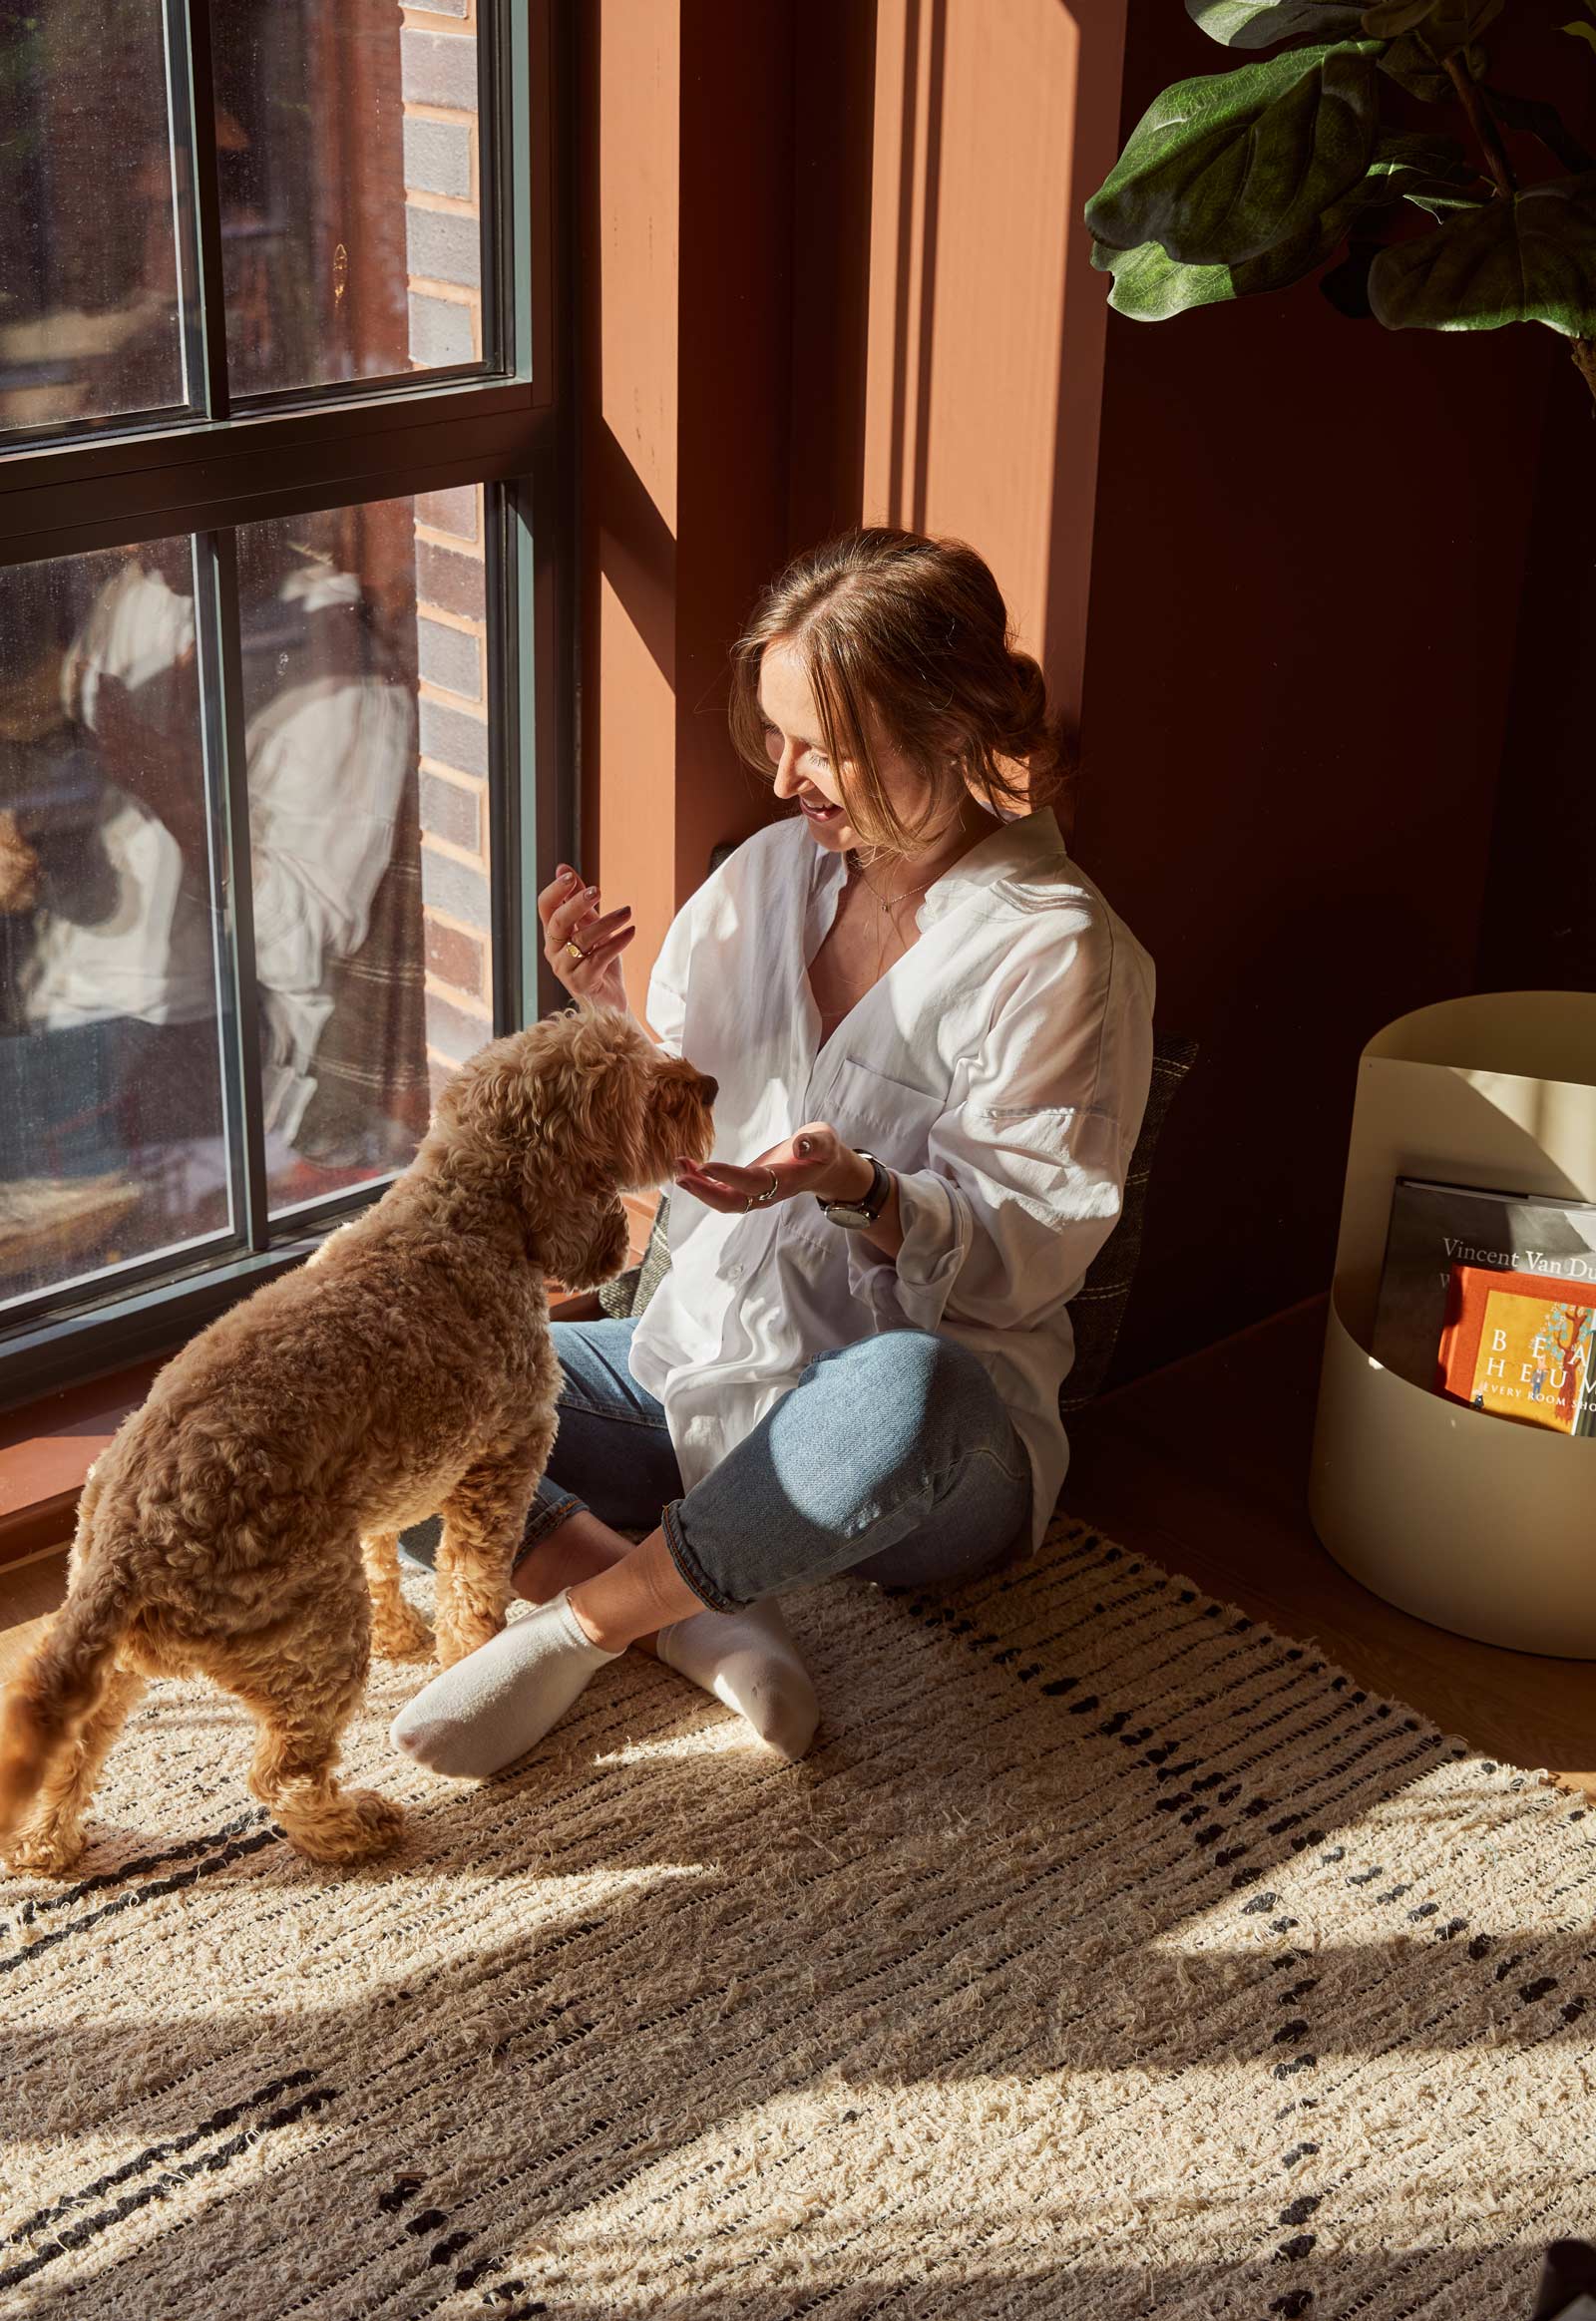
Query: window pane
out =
(348, 157)
(89, 314)
(366, 734)
(111, 1116)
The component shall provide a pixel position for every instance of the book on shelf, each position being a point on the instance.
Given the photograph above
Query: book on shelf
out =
(1520, 1346)
(1435, 1226)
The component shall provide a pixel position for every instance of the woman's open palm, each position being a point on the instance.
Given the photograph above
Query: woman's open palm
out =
(570, 914)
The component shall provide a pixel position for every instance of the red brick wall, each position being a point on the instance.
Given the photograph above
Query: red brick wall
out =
(444, 284)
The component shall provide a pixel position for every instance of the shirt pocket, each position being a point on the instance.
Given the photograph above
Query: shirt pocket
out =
(886, 1117)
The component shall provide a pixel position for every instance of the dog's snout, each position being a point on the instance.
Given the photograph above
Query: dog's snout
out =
(709, 1089)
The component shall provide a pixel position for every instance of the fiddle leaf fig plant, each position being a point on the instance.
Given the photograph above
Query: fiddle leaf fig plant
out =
(1235, 183)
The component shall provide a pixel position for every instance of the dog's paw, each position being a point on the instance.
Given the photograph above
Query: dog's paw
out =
(47, 1849)
(459, 1636)
(353, 1826)
(401, 1634)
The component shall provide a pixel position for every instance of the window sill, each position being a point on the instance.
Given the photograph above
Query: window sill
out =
(47, 1446)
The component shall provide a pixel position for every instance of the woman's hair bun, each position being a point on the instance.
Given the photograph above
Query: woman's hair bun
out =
(1030, 722)
(1039, 733)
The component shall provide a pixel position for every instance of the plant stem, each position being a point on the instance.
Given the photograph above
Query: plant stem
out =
(1482, 121)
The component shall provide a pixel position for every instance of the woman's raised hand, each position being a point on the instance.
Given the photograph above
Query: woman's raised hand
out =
(570, 914)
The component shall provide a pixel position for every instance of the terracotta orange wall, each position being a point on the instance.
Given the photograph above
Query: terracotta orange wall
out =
(628, 72)
(685, 235)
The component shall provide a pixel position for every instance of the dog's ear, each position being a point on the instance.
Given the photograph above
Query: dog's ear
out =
(584, 1244)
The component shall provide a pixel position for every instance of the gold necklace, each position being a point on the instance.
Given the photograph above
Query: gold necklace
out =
(886, 909)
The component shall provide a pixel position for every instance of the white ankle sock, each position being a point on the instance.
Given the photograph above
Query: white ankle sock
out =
(500, 1701)
(748, 1659)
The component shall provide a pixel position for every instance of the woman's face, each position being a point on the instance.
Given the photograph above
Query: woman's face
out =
(803, 770)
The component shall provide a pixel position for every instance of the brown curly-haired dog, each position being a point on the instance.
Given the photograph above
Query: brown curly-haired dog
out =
(242, 1526)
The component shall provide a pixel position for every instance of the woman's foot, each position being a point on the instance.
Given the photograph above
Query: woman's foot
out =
(745, 1660)
(500, 1701)
(749, 1661)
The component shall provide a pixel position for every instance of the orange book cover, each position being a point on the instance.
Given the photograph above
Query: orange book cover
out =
(1520, 1346)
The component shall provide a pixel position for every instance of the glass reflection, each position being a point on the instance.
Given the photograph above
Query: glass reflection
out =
(328, 618)
(363, 635)
(89, 311)
(111, 1117)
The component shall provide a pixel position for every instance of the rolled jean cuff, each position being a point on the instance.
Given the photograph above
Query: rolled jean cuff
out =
(687, 1564)
(546, 1516)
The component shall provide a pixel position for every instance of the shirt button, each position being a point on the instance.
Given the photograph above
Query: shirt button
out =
(734, 1273)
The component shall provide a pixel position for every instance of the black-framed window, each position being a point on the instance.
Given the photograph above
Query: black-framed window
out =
(285, 589)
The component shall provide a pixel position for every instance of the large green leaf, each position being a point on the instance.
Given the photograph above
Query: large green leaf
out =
(1223, 167)
(1150, 286)
(1259, 23)
(1527, 259)
(1443, 25)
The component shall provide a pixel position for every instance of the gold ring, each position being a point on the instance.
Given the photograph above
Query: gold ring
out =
(575, 950)
(758, 1200)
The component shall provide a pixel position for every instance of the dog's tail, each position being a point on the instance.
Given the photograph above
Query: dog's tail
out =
(61, 1682)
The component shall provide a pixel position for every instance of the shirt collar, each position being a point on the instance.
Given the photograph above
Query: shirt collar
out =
(1029, 847)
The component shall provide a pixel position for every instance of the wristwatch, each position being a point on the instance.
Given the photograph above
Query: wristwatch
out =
(854, 1215)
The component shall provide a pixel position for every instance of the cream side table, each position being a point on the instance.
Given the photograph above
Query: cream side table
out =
(1482, 1526)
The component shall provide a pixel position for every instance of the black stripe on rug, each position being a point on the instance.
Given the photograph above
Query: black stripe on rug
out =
(139, 1868)
(236, 1850)
(77, 2235)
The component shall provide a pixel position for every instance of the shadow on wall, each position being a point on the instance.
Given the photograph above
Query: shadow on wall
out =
(984, 324)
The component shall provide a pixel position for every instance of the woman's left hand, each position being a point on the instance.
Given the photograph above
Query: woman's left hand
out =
(814, 1159)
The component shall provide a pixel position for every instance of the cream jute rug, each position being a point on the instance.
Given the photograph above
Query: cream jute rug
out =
(1109, 1956)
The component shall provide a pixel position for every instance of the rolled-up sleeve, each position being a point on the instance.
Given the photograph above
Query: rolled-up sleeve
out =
(1025, 1172)
(1000, 1229)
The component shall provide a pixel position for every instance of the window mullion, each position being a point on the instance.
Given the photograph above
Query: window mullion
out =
(504, 818)
(227, 814)
(543, 772)
(193, 114)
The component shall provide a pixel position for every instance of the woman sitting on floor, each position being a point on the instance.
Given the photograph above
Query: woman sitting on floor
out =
(933, 1039)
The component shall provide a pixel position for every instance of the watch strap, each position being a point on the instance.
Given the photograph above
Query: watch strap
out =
(869, 1205)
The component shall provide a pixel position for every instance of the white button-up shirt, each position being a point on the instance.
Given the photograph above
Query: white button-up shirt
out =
(999, 1068)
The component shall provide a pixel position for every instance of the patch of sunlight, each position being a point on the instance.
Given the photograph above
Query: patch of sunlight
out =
(727, 1737)
(1162, 2164)
(1454, 1835)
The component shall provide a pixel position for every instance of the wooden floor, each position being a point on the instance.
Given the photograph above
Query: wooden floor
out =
(1167, 1467)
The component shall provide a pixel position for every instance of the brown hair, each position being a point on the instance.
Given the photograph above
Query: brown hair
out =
(915, 629)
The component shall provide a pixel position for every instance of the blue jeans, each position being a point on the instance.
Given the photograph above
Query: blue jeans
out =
(893, 1458)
